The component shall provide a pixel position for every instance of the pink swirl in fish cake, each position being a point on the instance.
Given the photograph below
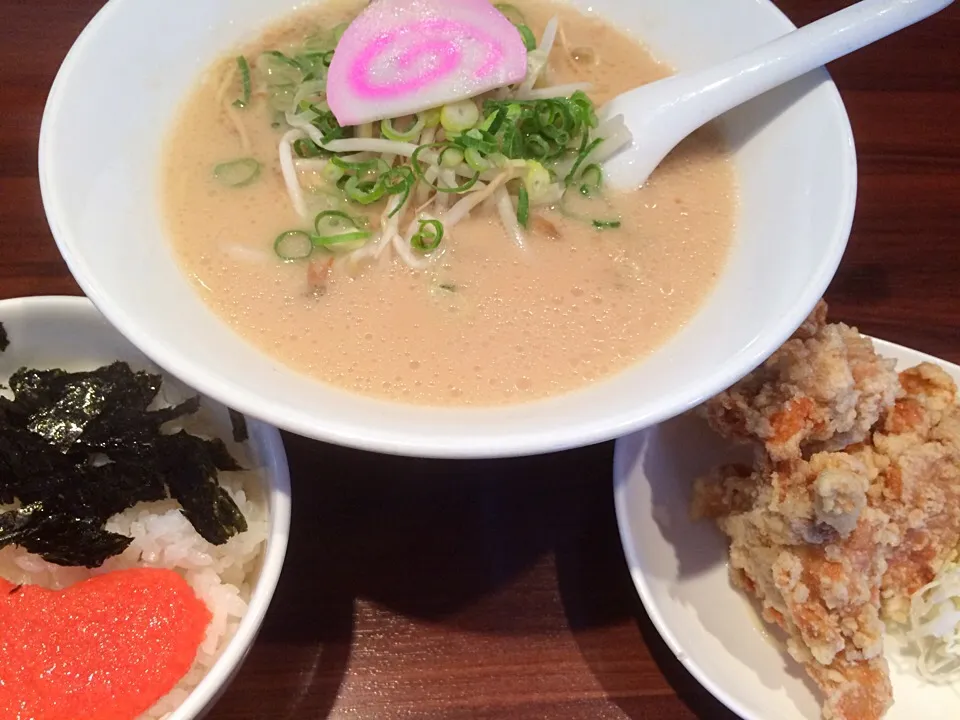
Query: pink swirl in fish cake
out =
(400, 57)
(436, 51)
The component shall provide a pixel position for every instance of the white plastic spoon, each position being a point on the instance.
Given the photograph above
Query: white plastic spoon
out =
(663, 113)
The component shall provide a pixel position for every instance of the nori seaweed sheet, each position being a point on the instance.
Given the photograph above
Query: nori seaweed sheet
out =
(239, 423)
(4, 340)
(76, 448)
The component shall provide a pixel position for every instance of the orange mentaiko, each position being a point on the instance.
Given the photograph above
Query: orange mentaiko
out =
(107, 648)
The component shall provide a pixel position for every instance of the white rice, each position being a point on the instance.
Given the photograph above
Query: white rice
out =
(222, 576)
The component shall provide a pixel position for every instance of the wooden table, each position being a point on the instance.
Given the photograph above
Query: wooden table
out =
(498, 589)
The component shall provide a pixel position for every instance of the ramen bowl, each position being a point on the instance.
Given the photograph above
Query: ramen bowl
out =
(101, 146)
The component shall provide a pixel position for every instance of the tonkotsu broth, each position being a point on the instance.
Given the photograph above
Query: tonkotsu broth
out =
(518, 324)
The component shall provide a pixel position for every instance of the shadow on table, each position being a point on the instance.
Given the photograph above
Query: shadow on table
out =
(431, 540)
(427, 539)
(598, 597)
(310, 627)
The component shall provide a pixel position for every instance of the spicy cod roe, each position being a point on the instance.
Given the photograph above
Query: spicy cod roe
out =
(107, 648)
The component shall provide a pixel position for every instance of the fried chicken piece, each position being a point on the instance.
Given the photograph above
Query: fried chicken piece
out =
(918, 453)
(808, 537)
(834, 603)
(726, 490)
(814, 323)
(824, 389)
(806, 548)
(854, 690)
(852, 504)
(928, 392)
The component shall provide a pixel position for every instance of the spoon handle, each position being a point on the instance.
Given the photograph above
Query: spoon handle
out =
(796, 53)
(665, 112)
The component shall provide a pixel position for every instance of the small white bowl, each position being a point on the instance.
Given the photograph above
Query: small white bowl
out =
(101, 141)
(680, 570)
(69, 333)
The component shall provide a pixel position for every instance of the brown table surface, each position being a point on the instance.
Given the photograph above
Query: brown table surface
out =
(498, 589)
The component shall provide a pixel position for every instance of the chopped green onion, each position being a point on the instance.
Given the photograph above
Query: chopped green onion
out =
(237, 173)
(475, 161)
(512, 13)
(513, 145)
(494, 121)
(283, 59)
(374, 165)
(307, 106)
(523, 207)
(606, 224)
(403, 201)
(244, 98)
(529, 41)
(428, 237)
(450, 157)
(456, 189)
(339, 30)
(420, 175)
(583, 106)
(333, 222)
(332, 172)
(558, 136)
(325, 40)
(282, 75)
(312, 57)
(545, 129)
(342, 242)
(391, 133)
(597, 223)
(293, 245)
(327, 124)
(314, 65)
(477, 139)
(307, 148)
(338, 232)
(459, 116)
(449, 287)
(536, 181)
(364, 192)
(324, 58)
(591, 179)
(538, 147)
(571, 176)
(398, 181)
(431, 118)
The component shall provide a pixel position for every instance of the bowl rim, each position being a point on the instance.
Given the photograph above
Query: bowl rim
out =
(276, 478)
(403, 438)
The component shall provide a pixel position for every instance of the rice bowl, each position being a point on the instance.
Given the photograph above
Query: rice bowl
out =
(234, 580)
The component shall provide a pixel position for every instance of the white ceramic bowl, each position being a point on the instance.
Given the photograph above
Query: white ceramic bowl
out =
(69, 333)
(679, 568)
(102, 138)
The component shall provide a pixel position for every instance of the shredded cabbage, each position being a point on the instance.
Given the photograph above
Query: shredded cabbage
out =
(935, 627)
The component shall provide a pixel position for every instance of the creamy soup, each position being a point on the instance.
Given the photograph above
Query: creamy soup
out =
(486, 317)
